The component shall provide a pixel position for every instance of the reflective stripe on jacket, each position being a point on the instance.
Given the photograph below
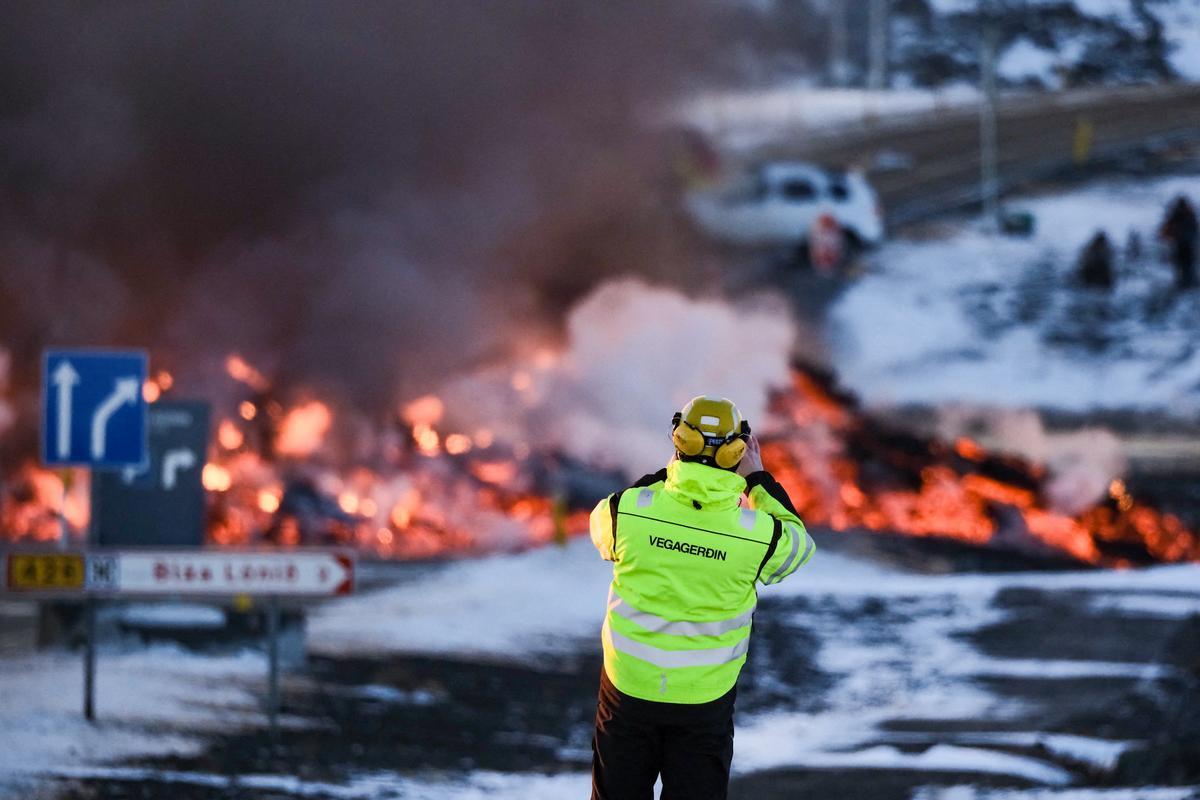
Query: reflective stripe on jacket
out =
(686, 559)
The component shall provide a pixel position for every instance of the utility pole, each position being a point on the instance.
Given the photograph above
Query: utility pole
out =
(878, 21)
(839, 65)
(989, 179)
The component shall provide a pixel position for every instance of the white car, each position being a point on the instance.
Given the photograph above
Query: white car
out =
(778, 204)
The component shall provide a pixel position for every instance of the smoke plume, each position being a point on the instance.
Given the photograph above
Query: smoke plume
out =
(357, 195)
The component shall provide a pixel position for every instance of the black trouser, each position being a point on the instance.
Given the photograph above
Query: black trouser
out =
(636, 740)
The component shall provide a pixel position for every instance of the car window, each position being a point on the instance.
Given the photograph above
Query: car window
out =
(798, 191)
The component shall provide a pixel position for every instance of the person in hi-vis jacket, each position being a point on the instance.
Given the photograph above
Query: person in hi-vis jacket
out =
(688, 553)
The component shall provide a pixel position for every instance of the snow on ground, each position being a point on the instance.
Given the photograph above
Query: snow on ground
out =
(836, 575)
(153, 702)
(160, 615)
(481, 785)
(921, 668)
(973, 793)
(1119, 9)
(913, 662)
(941, 757)
(1100, 753)
(997, 321)
(491, 607)
(161, 701)
(499, 606)
(486, 785)
(1149, 605)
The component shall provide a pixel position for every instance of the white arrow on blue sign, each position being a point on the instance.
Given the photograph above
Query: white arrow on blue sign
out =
(93, 413)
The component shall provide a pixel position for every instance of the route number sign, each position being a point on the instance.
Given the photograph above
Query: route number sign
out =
(46, 572)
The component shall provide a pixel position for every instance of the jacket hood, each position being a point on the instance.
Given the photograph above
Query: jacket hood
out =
(691, 483)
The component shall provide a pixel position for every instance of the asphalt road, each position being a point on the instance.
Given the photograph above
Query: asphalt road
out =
(1037, 140)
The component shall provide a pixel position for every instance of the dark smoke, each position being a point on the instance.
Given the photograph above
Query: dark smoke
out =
(356, 195)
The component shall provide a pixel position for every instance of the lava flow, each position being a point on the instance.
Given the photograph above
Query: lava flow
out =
(418, 489)
(844, 470)
(415, 491)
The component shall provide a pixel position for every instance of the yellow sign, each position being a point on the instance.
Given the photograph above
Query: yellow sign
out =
(45, 572)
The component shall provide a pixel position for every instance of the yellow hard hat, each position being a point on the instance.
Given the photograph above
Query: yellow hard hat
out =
(710, 430)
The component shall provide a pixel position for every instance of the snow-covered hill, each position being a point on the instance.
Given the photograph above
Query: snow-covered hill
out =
(974, 318)
(1051, 43)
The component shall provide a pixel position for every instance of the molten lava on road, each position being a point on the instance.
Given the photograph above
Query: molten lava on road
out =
(414, 487)
(845, 470)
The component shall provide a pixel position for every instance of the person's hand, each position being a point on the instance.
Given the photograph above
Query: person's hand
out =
(752, 460)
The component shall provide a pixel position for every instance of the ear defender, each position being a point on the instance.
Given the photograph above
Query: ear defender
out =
(689, 441)
(731, 451)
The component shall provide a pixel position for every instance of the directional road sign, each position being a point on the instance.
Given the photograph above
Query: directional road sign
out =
(93, 413)
(95, 574)
(182, 573)
(280, 573)
(160, 503)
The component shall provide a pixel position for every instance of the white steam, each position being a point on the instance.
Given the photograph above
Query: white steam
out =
(634, 354)
(1081, 464)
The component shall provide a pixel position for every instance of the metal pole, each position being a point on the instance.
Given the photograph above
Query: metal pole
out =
(273, 667)
(838, 65)
(877, 44)
(64, 527)
(989, 180)
(89, 619)
(89, 659)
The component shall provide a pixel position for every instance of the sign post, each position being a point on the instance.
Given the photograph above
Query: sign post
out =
(273, 667)
(181, 573)
(89, 660)
(93, 415)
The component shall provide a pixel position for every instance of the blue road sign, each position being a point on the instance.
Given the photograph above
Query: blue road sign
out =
(163, 503)
(93, 413)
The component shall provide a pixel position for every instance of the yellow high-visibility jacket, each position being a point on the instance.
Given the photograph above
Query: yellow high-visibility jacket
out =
(687, 558)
